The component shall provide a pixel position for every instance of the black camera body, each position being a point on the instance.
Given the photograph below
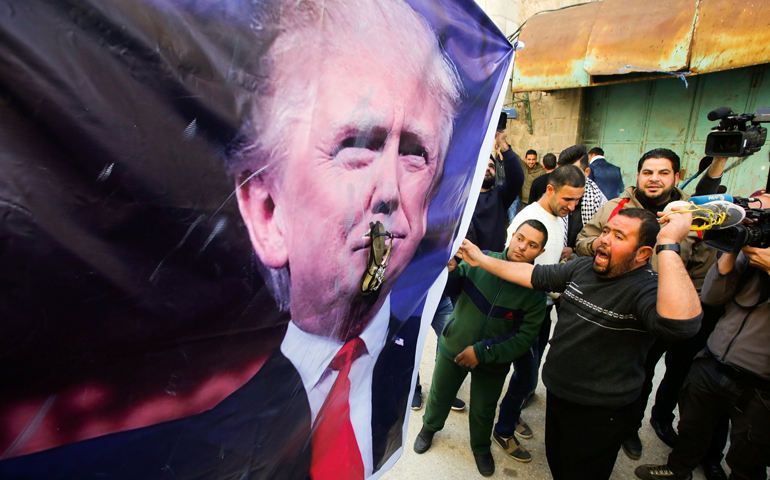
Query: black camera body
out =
(733, 137)
(755, 234)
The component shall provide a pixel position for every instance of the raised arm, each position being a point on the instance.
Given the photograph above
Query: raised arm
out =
(514, 174)
(514, 272)
(677, 297)
(709, 183)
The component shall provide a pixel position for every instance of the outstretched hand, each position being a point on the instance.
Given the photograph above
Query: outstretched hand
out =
(470, 253)
(501, 144)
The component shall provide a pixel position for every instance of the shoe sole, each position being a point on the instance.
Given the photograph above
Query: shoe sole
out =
(523, 436)
(458, 409)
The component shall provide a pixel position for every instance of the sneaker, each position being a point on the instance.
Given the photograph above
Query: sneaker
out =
(485, 464)
(717, 215)
(417, 399)
(632, 446)
(523, 430)
(424, 439)
(513, 448)
(658, 472)
(458, 405)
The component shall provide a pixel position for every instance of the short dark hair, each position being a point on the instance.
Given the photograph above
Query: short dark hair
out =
(660, 153)
(584, 162)
(572, 154)
(569, 175)
(537, 225)
(530, 152)
(549, 161)
(648, 230)
(596, 151)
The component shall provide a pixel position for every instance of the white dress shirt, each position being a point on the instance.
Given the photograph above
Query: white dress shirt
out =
(311, 355)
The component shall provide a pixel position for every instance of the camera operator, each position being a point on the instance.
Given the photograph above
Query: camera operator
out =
(732, 374)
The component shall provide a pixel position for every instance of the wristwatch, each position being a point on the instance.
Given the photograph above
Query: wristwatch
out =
(669, 246)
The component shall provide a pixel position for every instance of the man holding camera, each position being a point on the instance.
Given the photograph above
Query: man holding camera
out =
(731, 375)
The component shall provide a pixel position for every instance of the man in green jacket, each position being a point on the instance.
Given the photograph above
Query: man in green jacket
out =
(494, 322)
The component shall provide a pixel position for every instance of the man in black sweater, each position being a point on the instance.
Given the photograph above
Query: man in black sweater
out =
(612, 307)
(490, 219)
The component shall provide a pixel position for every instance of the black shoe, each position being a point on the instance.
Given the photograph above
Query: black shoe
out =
(713, 471)
(458, 405)
(658, 472)
(485, 464)
(632, 446)
(417, 399)
(423, 440)
(664, 431)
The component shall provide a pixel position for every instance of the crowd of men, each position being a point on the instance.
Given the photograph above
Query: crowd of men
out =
(630, 281)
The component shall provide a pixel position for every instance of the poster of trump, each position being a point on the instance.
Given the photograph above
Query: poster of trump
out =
(224, 227)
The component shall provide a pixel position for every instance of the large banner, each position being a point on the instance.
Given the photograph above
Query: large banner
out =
(219, 224)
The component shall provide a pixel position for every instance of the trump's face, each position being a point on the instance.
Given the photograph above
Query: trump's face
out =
(368, 149)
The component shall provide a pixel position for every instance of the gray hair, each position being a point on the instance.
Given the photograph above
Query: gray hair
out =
(290, 27)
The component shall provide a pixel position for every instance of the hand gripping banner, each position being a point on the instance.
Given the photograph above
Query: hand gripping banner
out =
(219, 224)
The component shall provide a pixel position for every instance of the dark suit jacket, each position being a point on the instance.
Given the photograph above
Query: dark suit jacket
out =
(608, 177)
(261, 431)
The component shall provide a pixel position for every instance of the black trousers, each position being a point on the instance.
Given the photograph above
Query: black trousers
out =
(679, 357)
(581, 441)
(711, 390)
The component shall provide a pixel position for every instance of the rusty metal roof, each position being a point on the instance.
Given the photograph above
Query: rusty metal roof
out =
(602, 42)
(731, 34)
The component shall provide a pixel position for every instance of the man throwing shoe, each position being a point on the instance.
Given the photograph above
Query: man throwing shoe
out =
(493, 323)
(612, 306)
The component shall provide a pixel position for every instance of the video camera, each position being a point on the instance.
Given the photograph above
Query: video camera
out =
(732, 239)
(733, 137)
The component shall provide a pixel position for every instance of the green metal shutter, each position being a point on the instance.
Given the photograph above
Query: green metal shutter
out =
(629, 119)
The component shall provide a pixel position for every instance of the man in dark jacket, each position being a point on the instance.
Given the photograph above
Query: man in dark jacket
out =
(606, 175)
(493, 323)
(490, 219)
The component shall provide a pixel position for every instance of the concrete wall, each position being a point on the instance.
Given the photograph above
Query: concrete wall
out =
(505, 13)
(555, 122)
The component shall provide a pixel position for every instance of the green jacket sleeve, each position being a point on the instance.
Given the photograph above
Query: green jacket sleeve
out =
(509, 347)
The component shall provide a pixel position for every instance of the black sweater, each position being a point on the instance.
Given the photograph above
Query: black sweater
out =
(605, 329)
(490, 219)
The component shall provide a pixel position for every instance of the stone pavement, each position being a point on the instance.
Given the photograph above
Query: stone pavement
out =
(450, 456)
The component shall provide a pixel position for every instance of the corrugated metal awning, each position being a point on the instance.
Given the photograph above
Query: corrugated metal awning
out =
(622, 40)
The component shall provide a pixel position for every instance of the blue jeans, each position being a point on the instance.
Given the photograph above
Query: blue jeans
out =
(513, 209)
(523, 381)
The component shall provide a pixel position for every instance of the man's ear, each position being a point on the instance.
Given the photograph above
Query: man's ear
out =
(676, 179)
(542, 250)
(644, 254)
(588, 171)
(549, 189)
(258, 209)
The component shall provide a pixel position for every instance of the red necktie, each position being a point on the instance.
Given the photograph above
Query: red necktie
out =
(335, 451)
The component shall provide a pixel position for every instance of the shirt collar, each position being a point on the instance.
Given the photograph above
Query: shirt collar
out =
(311, 354)
(597, 157)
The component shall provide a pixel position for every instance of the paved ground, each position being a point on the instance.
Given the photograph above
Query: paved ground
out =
(450, 457)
